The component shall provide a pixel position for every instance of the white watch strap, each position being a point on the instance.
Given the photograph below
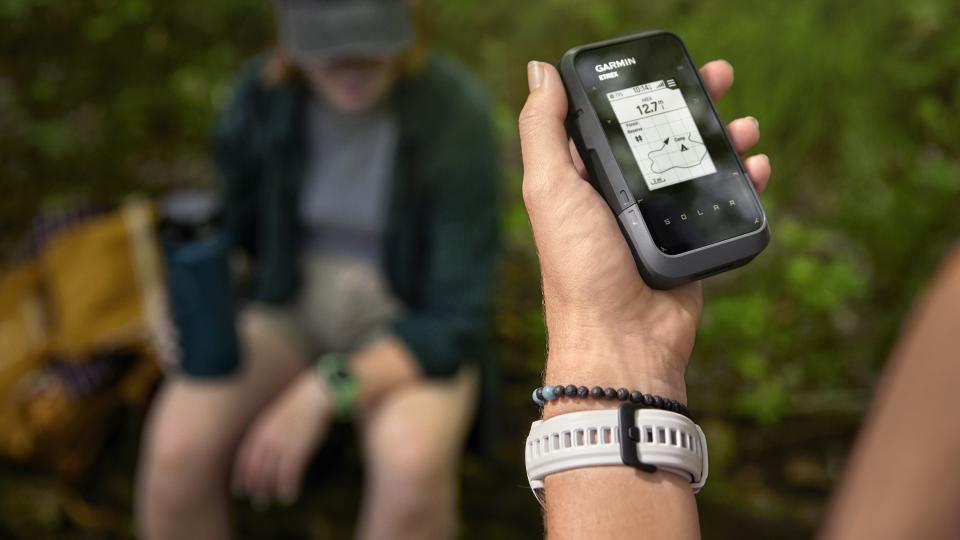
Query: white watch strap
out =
(661, 439)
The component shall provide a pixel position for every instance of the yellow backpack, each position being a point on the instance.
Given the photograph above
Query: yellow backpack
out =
(94, 292)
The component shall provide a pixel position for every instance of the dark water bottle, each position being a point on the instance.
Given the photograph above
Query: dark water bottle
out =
(198, 280)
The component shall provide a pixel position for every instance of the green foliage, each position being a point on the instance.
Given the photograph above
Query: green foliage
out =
(100, 98)
(858, 105)
(858, 102)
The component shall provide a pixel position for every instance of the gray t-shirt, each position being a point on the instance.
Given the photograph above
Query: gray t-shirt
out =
(348, 178)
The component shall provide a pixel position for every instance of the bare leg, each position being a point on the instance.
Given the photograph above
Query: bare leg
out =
(413, 442)
(902, 481)
(192, 433)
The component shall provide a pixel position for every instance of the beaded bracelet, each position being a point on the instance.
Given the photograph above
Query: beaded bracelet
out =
(544, 394)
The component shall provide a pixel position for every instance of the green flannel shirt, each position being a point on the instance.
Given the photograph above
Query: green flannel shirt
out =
(441, 241)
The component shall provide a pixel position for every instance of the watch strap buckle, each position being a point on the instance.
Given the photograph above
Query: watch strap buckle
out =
(630, 438)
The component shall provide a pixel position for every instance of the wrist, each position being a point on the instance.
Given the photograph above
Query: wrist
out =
(608, 359)
(339, 384)
(322, 392)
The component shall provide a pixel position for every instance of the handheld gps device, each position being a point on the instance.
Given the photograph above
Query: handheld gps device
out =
(656, 150)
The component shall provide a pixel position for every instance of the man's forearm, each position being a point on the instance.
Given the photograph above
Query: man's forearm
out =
(605, 502)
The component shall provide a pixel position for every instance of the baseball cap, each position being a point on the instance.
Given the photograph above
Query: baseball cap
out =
(331, 29)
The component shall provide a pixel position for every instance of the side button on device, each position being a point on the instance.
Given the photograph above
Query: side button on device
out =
(621, 198)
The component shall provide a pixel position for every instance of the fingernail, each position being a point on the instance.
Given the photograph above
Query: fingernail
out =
(534, 74)
(727, 62)
(755, 121)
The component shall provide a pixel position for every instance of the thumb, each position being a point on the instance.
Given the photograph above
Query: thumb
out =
(543, 137)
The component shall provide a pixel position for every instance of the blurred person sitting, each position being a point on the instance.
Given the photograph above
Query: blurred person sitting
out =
(359, 180)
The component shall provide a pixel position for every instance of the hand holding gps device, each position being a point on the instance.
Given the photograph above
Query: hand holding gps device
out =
(656, 150)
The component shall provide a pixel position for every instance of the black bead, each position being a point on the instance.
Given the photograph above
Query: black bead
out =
(583, 392)
(540, 394)
(658, 402)
(610, 393)
(648, 400)
(596, 392)
(570, 391)
(558, 390)
(623, 394)
(672, 406)
(636, 397)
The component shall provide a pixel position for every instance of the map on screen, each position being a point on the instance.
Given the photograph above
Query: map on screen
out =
(663, 137)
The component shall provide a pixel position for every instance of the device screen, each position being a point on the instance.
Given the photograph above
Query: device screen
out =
(662, 135)
(669, 143)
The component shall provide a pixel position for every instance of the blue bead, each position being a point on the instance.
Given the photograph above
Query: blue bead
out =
(537, 400)
(549, 393)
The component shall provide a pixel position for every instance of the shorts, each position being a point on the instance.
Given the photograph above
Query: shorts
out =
(343, 304)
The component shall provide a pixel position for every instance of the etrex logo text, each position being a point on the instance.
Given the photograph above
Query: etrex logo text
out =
(616, 64)
(606, 71)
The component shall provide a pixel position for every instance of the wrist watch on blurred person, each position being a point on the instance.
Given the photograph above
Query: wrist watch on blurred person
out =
(646, 439)
(333, 369)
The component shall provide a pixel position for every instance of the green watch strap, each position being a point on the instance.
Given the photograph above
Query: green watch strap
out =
(333, 368)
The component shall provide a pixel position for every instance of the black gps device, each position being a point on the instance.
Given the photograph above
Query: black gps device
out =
(656, 150)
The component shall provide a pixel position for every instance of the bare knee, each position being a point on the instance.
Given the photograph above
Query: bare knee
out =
(413, 443)
(412, 461)
(175, 472)
(181, 482)
(179, 469)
